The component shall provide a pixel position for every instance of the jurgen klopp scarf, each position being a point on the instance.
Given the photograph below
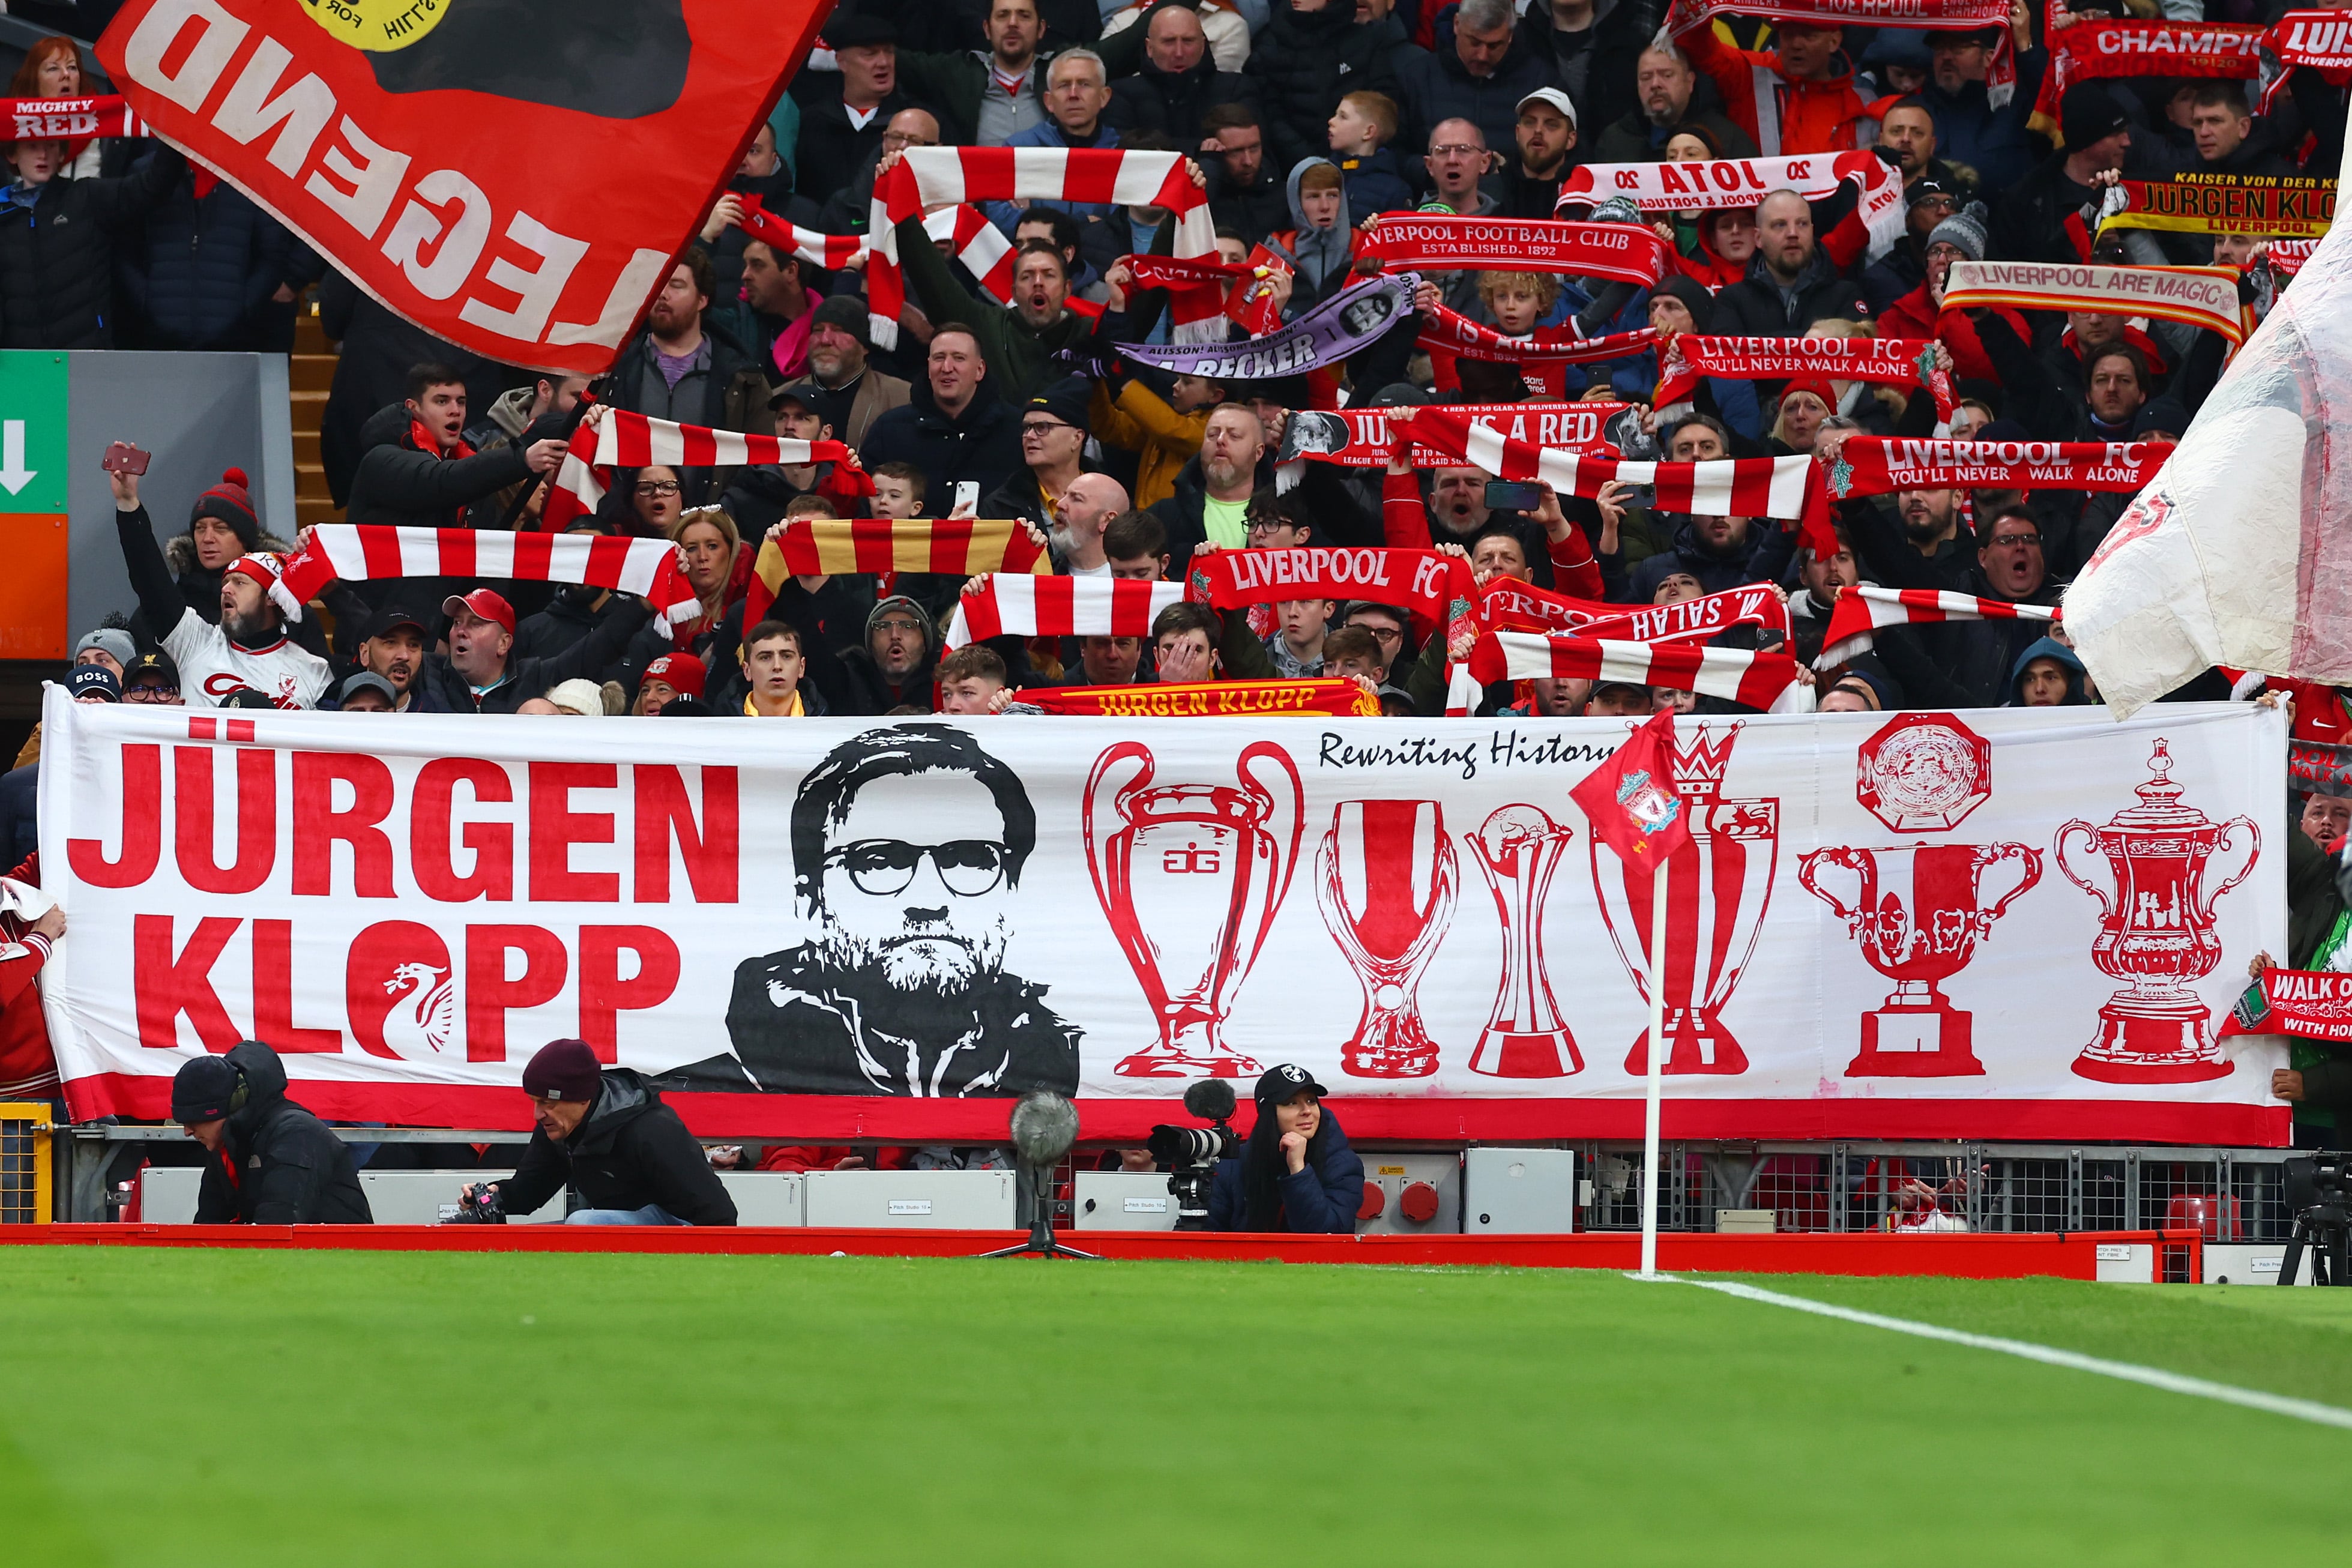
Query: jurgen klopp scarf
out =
(1905, 362)
(1209, 700)
(835, 547)
(1017, 604)
(2223, 204)
(1874, 224)
(1861, 613)
(1628, 253)
(1433, 588)
(628, 440)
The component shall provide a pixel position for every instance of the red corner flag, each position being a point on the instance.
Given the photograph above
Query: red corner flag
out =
(1631, 798)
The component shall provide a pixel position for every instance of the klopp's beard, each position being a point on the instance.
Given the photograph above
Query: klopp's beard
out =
(928, 961)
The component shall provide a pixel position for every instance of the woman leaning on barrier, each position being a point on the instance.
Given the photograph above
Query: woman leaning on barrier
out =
(1296, 1173)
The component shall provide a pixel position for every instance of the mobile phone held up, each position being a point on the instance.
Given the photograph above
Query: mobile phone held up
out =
(1513, 495)
(123, 457)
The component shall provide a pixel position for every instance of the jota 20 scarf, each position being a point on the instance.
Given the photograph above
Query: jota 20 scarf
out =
(1706, 187)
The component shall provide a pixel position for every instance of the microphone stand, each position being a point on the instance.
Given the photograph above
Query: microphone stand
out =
(1041, 1242)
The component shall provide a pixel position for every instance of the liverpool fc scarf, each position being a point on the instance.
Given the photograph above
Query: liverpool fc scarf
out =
(1881, 464)
(2223, 204)
(628, 440)
(830, 547)
(358, 552)
(2199, 296)
(1506, 604)
(1012, 604)
(928, 177)
(1738, 487)
(1454, 333)
(1907, 362)
(1628, 253)
(2314, 1004)
(1861, 612)
(1433, 588)
(1208, 699)
(1744, 181)
(1765, 680)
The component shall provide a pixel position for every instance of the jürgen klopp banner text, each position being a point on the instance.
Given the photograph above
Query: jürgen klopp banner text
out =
(1886, 924)
(511, 174)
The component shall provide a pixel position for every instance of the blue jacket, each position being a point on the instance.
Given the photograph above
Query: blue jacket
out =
(200, 274)
(1322, 1200)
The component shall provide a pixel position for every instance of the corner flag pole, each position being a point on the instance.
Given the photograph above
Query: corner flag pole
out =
(1657, 1072)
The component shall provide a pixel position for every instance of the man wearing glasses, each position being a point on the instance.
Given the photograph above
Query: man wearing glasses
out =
(907, 845)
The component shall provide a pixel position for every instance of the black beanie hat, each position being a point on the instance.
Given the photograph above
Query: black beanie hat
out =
(231, 500)
(2089, 113)
(1691, 292)
(204, 1090)
(563, 1069)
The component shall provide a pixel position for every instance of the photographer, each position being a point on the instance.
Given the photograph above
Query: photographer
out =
(1296, 1173)
(606, 1131)
(266, 1159)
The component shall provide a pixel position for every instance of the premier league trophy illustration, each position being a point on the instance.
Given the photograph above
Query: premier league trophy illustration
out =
(1716, 892)
(2156, 930)
(1918, 914)
(1518, 848)
(1190, 879)
(1384, 878)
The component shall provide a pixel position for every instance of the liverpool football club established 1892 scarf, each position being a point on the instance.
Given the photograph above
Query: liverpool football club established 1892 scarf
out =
(1626, 252)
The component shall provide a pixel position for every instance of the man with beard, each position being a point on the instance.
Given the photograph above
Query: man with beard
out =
(850, 395)
(1088, 508)
(1995, 143)
(677, 370)
(892, 668)
(248, 649)
(769, 313)
(1210, 504)
(907, 845)
(1791, 283)
(1248, 197)
(393, 649)
(481, 673)
(1545, 132)
(1672, 94)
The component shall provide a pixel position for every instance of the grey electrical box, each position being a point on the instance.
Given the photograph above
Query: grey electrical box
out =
(1410, 1194)
(1122, 1200)
(909, 1200)
(1518, 1192)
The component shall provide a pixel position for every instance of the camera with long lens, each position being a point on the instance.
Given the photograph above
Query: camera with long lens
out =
(478, 1203)
(1192, 1154)
(2319, 1195)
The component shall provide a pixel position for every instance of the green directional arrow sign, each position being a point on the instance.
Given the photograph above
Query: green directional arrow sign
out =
(32, 431)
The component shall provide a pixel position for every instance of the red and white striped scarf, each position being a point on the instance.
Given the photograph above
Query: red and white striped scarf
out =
(627, 440)
(1765, 680)
(1452, 332)
(1860, 612)
(1906, 362)
(358, 553)
(1736, 486)
(928, 177)
(883, 547)
(1005, 604)
(977, 243)
(1239, 290)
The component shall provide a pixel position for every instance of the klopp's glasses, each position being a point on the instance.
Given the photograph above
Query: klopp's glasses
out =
(885, 866)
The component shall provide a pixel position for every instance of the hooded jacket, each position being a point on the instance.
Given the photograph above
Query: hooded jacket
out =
(2063, 656)
(277, 1164)
(1320, 1200)
(629, 1150)
(1320, 256)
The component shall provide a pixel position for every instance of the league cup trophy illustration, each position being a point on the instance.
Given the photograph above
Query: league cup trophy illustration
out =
(1717, 892)
(1918, 913)
(1519, 849)
(1384, 878)
(2156, 930)
(1190, 881)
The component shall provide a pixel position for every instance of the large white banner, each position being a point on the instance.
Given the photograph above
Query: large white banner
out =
(1996, 923)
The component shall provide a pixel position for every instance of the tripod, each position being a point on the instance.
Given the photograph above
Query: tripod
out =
(1041, 1242)
(2326, 1229)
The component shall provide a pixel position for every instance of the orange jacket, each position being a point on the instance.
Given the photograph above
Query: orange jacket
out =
(1785, 117)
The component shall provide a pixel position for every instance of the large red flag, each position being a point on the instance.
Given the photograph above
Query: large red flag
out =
(515, 175)
(1631, 800)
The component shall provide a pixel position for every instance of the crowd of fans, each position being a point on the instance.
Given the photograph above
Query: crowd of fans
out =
(1305, 122)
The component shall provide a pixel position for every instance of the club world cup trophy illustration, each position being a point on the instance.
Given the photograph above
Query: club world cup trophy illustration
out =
(1717, 888)
(1918, 914)
(1518, 848)
(1384, 878)
(2156, 930)
(1190, 877)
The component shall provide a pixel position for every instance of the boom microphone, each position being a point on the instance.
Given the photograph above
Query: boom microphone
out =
(1044, 1128)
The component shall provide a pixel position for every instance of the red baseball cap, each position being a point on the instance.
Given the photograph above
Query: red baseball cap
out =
(681, 672)
(490, 606)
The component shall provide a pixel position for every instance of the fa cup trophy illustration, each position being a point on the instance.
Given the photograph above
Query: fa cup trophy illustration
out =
(1384, 878)
(1518, 848)
(1189, 880)
(1918, 913)
(2156, 930)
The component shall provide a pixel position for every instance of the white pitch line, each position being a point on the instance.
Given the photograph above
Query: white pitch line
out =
(2073, 1361)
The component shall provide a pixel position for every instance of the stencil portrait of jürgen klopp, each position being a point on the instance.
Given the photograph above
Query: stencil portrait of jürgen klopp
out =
(616, 59)
(907, 845)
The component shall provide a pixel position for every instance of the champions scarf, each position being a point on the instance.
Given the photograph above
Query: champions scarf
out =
(2315, 1004)
(1208, 699)
(1361, 437)
(2001, 75)
(1434, 588)
(1012, 604)
(1239, 291)
(977, 243)
(928, 177)
(1736, 486)
(1628, 253)
(833, 547)
(628, 440)
(2098, 47)
(2203, 297)
(1861, 613)
(1765, 680)
(1459, 335)
(1877, 218)
(1906, 362)
(358, 552)
(1506, 604)
(2225, 204)
(71, 119)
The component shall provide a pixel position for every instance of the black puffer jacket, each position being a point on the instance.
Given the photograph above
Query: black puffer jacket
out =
(1756, 308)
(400, 486)
(376, 349)
(291, 1167)
(629, 1150)
(56, 256)
(1171, 103)
(1304, 62)
(200, 275)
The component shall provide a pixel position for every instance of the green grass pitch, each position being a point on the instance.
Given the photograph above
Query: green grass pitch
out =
(262, 1408)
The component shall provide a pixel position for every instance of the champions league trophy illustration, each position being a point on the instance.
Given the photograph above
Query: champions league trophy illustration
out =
(1190, 881)
(1717, 892)
(1918, 914)
(1384, 878)
(1519, 849)
(2156, 930)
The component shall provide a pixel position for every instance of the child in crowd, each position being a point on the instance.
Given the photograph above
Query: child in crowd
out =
(1360, 130)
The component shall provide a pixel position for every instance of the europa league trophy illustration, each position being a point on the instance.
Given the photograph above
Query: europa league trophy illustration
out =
(1384, 878)
(1190, 881)
(1519, 849)
(2156, 930)
(1918, 914)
